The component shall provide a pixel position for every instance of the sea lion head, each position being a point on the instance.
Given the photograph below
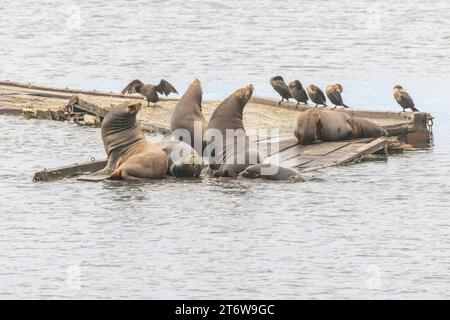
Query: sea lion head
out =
(194, 92)
(190, 167)
(398, 87)
(119, 126)
(339, 87)
(244, 94)
(309, 130)
(253, 171)
(122, 115)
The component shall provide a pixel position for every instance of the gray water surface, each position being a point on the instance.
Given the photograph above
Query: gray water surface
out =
(374, 230)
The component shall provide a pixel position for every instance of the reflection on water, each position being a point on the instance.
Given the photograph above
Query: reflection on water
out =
(374, 230)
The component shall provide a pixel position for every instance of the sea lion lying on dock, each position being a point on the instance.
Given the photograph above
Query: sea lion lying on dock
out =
(271, 172)
(329, 125)
(184, 161)
(365, 128)
(130, 155)
(230, 155)
(187, 115)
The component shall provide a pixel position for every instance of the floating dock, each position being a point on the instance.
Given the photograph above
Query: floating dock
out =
(405, 129)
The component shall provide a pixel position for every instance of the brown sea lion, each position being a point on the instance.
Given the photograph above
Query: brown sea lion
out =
(149, 91)
(280, 86)
(184, 161)
(187, 115)
(316, 95)
(228, 148)
(404, 99)
(325, 125)
(130, 154)
(329, 125)
(271, 172)
(334, 92)
(297, 92)
(365, 128)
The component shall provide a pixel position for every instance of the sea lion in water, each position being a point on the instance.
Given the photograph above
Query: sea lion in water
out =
(329, 125)
(280, 86)
(184, 161)
(130, 154)
(297, 92)
(149, 91)
(316, 95)
(230, 155)
(187, 114)
(271, 172)
(334, 92)
(404, 99)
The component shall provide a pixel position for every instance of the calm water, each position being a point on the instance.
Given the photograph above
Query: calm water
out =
(375, 230)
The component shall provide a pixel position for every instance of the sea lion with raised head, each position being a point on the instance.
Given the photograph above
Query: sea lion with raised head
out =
(228, 148)
(149, 91)
(316, 95)
(280, 86)
(184, 161)
(130, 154)
(404, 99)
(334, 94)
(271, 172)
(297, 92)
(187, 116)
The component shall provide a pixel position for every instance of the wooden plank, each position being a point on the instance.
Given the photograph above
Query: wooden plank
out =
(321, 149)
(80, 102)
(67, 90)
(362, 151)
(69, 171)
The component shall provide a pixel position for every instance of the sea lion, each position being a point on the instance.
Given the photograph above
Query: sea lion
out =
(130, 154)
(228, 146)
(184, 161)
(330, 125)
(280, 86)
(188, 114)
(334, 92)
(316, 95)
(404, 99)
(270, 172)
(297, 92)
(325, 125)
(149, 91)
(365, 128)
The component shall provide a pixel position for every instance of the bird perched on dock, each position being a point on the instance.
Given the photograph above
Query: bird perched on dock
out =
(403, 99)
(149, 91)
(281, 87)
(334, 95)
(316, 95)
(297, 92)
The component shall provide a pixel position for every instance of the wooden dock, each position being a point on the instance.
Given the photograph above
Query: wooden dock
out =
(405, 129)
